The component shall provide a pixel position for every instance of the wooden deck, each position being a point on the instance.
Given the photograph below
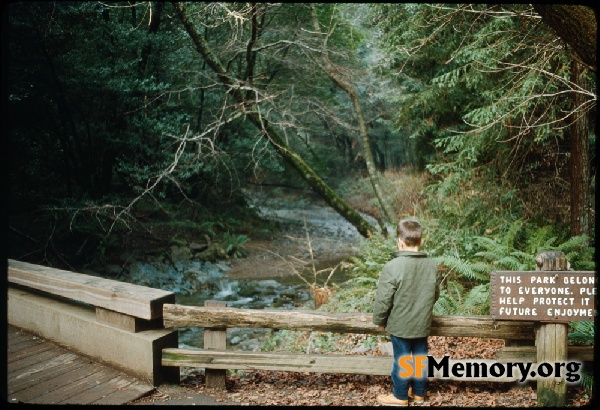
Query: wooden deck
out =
(41, 372)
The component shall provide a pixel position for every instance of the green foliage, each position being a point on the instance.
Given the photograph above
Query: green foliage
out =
(582, 333)
(587, 381)
(456, 300)
(126, 111)
(358, 292)
(234, 245)
(472, 94)
(294, 341)
(515, 250)
(578, 252)
(355, 296)
(472, 271)
(372, 255)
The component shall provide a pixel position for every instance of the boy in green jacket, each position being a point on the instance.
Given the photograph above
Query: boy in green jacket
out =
(406, 293)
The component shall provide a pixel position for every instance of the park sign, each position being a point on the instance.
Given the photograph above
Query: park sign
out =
(546, 296)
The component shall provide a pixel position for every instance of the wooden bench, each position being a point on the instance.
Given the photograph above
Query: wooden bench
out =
(116, 322)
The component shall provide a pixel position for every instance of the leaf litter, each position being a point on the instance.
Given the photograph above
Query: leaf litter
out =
(271, 388)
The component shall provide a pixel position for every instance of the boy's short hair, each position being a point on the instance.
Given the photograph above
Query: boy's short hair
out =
(410, 232)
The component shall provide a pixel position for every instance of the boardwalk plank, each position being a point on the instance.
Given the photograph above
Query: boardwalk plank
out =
(58, 382)
(53, 375)
(125, 394)
(93, 376)
(27, 352)
(109, 383)
(31, 363)
(20, 343)
(94, 390)
(20, 334)
(44, 371)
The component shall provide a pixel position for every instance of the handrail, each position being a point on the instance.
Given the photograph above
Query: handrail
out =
(181, 316)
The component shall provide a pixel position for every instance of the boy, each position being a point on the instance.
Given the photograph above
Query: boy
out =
(406, 293)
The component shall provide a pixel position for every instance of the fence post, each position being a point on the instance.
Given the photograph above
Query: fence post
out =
(215, 339)
(551, 341)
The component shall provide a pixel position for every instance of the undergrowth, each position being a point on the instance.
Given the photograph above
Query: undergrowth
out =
(467, 237)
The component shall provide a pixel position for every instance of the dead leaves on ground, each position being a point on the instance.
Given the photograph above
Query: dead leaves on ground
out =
(313, 389)
(307, 389)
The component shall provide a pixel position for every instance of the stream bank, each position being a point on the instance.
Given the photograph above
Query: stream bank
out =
(310, 236)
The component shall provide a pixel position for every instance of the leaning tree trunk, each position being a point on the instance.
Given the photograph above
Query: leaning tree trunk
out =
(252, 112)
(335, 75)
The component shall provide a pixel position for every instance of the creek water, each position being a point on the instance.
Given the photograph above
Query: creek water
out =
(195, 281)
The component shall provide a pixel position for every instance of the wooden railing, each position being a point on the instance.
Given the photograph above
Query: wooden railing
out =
(216, 318)
(110, 321)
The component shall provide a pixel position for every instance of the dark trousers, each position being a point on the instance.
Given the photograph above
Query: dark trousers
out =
(402, 348)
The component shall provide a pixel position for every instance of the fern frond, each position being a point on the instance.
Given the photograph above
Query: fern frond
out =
(587, 381)
(460, 267)
(527, 260)
(446, 305)
(508, 241)
(482, 268)
(578, 252)
(487, 255)
(574, 243)
(455, 290)
(585, 265)
(586, 328)
(510, 263)
(486, 243)
(539, 240)
(477, 301)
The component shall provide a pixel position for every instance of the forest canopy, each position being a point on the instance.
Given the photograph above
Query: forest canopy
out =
(122, 114)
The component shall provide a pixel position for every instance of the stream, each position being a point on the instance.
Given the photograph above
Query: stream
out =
(252, 282)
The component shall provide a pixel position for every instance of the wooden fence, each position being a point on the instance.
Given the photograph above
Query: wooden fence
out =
(215, 318)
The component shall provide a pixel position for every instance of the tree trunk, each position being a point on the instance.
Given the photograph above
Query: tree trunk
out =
(252, 112)
(575, 25)
(335, 75)
(579, 141)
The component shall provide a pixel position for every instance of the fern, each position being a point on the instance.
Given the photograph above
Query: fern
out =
(541, 240)
(487, 255)
(587, 381)
(582, 333)
(373, 254)
(509, 262)
(578, 252)
(446, 304)
(477, 301)
(455, 300)
(508, 241)
(462, 267)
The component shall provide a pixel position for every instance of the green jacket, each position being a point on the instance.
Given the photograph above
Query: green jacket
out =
(406, 293)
